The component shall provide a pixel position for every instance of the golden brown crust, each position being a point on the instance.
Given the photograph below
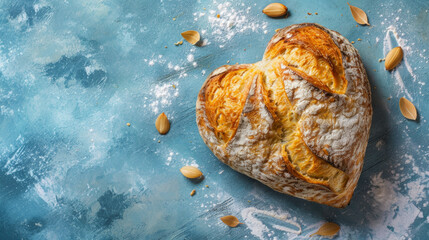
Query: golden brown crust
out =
(312, 54)
(260, 118)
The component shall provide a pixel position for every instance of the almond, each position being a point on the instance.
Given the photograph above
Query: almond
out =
(230, 221)
(191, 172)
(359, 15)
(162, 124)
(327, 229)
(407, 109)
(393, 58)
(275, 10)
(191, 36)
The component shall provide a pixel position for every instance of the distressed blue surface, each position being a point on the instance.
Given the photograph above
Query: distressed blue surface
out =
(73, 73)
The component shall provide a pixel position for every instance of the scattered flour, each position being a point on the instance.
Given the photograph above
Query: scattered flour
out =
(163, 94)
(226, 21)
(259, 229)
(392, 213)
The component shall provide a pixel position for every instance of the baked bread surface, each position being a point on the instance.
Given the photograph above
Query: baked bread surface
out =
(298, 121)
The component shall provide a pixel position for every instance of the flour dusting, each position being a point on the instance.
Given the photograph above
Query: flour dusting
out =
(260, 229)
(226, 21)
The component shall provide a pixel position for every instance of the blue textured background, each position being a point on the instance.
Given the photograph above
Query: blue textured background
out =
(73, 73)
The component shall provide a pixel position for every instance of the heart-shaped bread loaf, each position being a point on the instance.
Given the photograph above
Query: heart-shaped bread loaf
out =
(298, 121)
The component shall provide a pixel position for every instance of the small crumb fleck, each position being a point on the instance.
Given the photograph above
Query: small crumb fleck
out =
(174, 86)
(389, 98)
(227, 61)
(278, 29)
(248, 200)
(309, 13)
(218, 16)
(204, 8)
(128, 124)
(193, 192)
(236, 63)
(341, 14)
(207, 186)
(165, 46)
(179, 43)
(316, 13)
(375, 70)
(174, 19)
(380, 60)
(159, 141)
(359, 39)
(356, 25)
(353, 42)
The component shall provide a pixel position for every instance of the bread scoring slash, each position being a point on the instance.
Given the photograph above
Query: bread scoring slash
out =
(298, 121)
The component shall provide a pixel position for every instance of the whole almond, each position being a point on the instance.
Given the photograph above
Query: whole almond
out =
(162, 124)
(191, 172)
(275, 10)
(230, 220)
(191, 36)
(407, 109)
(328, 229)
(393, 58)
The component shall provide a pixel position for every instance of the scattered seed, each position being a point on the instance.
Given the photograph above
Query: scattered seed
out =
(162, 124)
(230, 220)
(191, 172)
(278, 29)
(407, 109)
(174, 86)
(174, 19)
(379, 60)
(327, 229)
(227, 61)
(389, 98)
(359, 39)
(128, 124)
(179, 43)
(159, 141)
(316, 13)
(218, 16)
(207, 186)
(193, 192)
(309, 13)
(191, 36)
(353, 42)
(359, 15)
(275, 10)
(393, 58)
(165, 46)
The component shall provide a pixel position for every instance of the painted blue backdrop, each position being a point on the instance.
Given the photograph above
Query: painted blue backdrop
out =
(73, 73)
